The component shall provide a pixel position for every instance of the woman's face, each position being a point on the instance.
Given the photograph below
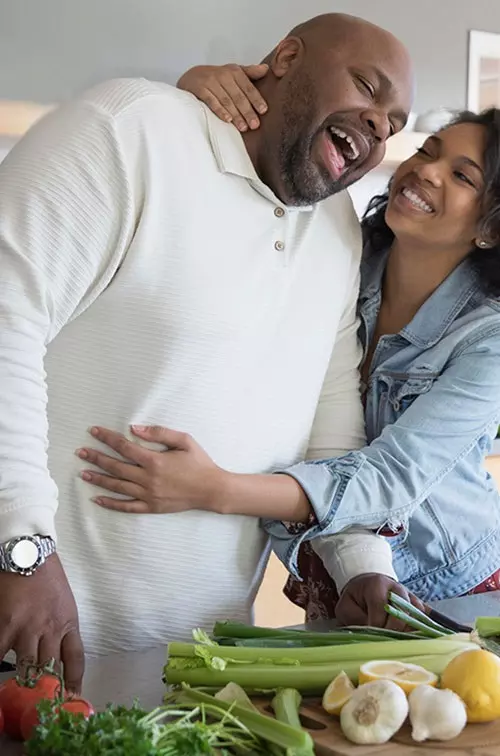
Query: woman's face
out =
(435, 197)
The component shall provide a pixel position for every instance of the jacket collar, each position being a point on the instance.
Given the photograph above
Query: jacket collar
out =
(436, 314)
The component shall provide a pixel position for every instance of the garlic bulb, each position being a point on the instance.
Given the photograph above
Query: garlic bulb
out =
(374, 713)
(436, 714)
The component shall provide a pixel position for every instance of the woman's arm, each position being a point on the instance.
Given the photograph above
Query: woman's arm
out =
(184, 478)
(228, 91)
(382, 484)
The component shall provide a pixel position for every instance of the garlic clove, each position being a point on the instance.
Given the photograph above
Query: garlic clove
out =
(374, 713)
(436, 714)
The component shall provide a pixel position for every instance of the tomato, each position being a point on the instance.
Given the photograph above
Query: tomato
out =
(15, 698)
(29, 719)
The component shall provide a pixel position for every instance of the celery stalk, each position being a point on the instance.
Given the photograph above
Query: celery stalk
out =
(233, 693)
(311, 679)
(321, 655)
(296, 742)
(286, 705)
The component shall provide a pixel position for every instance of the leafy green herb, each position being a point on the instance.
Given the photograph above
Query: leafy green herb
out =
(117, 730)
(177, 729)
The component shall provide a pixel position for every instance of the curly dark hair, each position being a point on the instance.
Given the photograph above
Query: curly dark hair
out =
(486, 262)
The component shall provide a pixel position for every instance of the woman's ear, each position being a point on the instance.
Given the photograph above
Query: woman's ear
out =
(483, 244)
(286, 55)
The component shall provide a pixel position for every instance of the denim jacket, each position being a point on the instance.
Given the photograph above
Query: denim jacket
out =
(432, 411)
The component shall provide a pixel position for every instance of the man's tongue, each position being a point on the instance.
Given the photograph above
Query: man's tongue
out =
(334, 158)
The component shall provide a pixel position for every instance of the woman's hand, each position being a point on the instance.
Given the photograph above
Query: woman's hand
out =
(363, 600)
(228, 91)
(156, 482)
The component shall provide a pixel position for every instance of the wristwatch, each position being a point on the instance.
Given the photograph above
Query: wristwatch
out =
(25, 554)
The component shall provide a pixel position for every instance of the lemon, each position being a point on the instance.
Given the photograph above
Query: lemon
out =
(337, 694)
(407, 676)
(475, 677)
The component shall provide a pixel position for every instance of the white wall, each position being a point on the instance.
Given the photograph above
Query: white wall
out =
(51, 48)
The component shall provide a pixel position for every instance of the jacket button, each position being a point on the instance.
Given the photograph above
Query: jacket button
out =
(279, 245)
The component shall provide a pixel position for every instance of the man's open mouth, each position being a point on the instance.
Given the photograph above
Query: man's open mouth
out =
(345, 143)
(342, 149)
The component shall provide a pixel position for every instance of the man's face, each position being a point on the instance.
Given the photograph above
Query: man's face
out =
(337, 111)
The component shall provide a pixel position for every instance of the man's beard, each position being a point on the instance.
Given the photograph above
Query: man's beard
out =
(305, 182)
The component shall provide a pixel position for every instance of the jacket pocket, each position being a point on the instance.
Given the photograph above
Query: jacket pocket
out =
(403, 392)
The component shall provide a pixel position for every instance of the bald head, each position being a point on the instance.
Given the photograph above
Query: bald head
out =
(339, 87)
(331, 27)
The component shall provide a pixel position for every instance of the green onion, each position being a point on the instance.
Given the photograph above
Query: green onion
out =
(487, 627)
(412, 622)
(296, 742)
(286, 642)
(413, 611)
(232, 631)
(383, 631)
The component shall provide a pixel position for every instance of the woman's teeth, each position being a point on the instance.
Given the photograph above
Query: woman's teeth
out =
(416, 200)
(350, 141)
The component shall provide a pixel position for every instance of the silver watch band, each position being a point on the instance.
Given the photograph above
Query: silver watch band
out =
(48, 546)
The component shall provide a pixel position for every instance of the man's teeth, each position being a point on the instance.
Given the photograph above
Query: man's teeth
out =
(416, 200)
(350, 141)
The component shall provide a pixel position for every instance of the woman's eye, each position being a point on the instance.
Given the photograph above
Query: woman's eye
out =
(423, 151)
(462, 177)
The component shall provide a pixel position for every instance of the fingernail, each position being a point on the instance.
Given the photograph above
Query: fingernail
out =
(85, 475)
(97, 500)
(262, 108)
(242, 126)
(254, 123)
(139, 428)
(82, 453)
(94, 432)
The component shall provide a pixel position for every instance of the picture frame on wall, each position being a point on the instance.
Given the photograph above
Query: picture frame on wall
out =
(483, 88)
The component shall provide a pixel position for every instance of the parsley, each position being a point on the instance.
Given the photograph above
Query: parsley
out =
(117, 731)
(172, 730)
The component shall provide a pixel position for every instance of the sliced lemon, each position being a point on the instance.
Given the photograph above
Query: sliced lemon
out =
(475, 677)
(407, 676)
(337, 694)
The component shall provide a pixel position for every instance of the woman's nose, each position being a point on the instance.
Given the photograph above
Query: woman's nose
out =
(432, 172)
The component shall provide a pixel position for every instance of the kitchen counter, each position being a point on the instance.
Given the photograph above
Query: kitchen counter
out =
(121, 678)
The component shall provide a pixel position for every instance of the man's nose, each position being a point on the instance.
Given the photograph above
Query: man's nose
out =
(378, 124)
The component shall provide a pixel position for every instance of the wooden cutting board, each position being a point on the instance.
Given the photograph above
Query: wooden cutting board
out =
(475, 740)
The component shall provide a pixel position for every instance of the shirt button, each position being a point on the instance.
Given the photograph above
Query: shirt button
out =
(279, 212)
(279, 246)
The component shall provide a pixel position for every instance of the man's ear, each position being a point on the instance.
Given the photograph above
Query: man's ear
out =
(288, 52)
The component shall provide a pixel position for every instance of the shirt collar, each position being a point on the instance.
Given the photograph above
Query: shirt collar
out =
(438, 312)
(232, 157)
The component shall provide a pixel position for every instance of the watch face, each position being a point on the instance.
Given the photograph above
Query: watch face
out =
(25, 554)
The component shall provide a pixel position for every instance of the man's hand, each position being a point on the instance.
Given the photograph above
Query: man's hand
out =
(39, 620)
(364, 597)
